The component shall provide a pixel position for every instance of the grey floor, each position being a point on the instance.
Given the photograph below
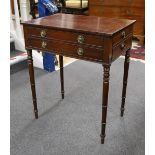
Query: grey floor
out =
(72, 126)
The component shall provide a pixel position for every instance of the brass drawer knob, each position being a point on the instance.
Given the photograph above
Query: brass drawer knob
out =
(80, 51)
(122, 46)
(80, 39)
(44, 44)
(123, 34)
(43, 33)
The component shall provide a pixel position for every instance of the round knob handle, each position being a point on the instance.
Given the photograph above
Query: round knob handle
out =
(80, 39)
(44, 44)
(122, 46)
(43, 33)
(123, 34)
(80, 51)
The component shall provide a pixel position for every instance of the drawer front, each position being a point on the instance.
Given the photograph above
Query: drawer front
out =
(132, 3)
(67, 49)
(120, 48)
(122, 35)
(72, 37)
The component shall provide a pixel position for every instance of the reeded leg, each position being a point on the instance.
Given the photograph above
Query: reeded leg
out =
(61, 75)
(125, 78)
(32, 81)
(105, 100)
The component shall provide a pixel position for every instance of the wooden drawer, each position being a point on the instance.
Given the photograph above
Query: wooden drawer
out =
(72, 50)
(118, 3)
(122, 35)
(72, 37)
(121, 47)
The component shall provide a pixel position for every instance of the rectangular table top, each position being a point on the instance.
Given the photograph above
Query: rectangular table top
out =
(80, 23)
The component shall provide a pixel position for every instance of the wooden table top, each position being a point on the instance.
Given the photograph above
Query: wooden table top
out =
(88, 24)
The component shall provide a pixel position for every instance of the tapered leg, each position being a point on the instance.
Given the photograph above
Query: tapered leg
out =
(125, 78)
(105, 100)
(32, 81)
(61, 75)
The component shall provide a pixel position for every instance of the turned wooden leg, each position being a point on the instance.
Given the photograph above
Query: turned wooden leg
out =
(32, 81)
(125, 78)
(61, 75)
(105, 100)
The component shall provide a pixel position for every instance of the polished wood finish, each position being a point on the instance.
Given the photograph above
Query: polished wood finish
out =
(122, 47)
(96, 39)
(125, 9)
(70, 37)
(106, 76)
(81, 24)
(124, 34)
(68, 49)
(125, 78)
(61, 76)
(32, 81)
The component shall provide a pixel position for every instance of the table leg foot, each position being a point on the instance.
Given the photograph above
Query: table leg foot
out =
(62, 95)
(105, 100)
(125, 78)
(122, 112)
(36, 114)
(102, 139)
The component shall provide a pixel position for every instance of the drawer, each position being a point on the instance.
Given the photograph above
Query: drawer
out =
(122, 35)
(120, 48)
(118, 3)
(79, 38)
(67, 49)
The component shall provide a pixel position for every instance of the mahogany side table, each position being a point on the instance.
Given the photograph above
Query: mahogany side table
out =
(97, 39)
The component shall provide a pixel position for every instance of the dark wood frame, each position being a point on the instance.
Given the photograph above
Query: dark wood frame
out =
(112, 47)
